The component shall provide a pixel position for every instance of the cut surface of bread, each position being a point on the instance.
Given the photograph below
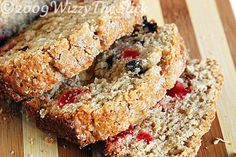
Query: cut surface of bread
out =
(128, 80)
(61, 45)
(178, 121)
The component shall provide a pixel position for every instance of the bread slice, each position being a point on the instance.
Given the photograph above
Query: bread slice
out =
(129, 78)
(61, 45)
(12, 21)
(178, 121)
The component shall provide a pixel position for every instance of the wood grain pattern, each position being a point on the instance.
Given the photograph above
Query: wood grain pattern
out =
(10, 130)
(35, 143)
(208, 149)
(66, 149)
(177, 12)
(213, 43)
(229, 23)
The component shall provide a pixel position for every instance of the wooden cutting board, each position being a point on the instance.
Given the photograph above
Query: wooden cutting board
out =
(209, 30)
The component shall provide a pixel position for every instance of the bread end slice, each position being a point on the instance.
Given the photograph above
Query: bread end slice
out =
(178, 122)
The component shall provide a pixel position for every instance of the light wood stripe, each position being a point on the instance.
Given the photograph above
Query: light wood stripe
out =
(177, 12)
(34, 141)
(229, 23)
(10, 131)
(213, 43)
(152, 9)
(233, 4)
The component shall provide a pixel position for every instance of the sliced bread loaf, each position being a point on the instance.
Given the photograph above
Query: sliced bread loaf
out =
(128, 80)
(178, 121)
(61, 45)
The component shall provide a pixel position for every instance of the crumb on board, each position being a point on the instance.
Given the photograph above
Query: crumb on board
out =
(31, 140)
(1, 110)
(43, 151)
(29, 155)
(43, 113)
(218, 140)
(12, 152)
(49, 139)
(4, 118)
(26, 117)
(65, 146)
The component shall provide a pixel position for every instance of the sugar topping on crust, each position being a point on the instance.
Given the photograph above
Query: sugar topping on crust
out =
(127, 81)
(61, 45)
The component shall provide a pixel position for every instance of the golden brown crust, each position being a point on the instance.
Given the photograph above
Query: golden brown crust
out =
(61, 45)
(118, 97)
(58, 124)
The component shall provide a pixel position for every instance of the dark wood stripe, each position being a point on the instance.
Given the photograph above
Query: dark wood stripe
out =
(11, 139)
(208, 149)
(176, 11)
(229, 23)
(66, 149)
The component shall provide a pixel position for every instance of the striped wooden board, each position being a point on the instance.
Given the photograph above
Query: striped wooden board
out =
(209, 29)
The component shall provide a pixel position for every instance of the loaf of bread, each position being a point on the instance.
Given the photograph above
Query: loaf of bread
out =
(126, 82)
(61, 45)
(178, 121)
